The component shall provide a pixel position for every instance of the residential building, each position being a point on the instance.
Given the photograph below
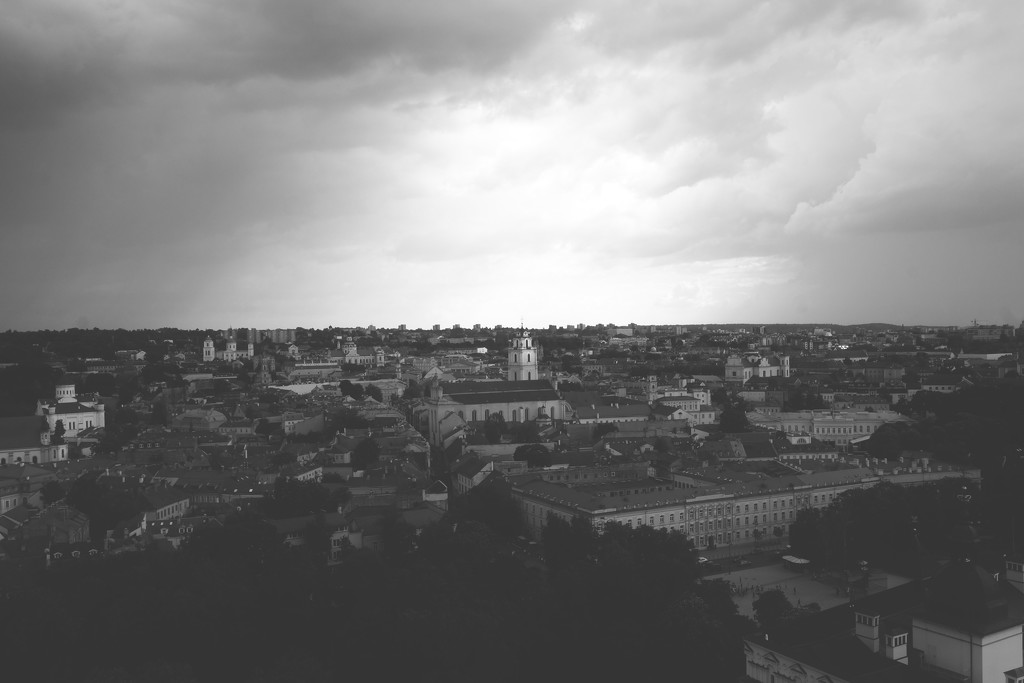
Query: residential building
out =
(833, 426)
(944, 383)
(731, 511)
(166, 503)
(340, 532)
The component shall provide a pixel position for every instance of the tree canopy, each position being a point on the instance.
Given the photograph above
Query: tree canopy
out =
(887, 525)
(366, 454)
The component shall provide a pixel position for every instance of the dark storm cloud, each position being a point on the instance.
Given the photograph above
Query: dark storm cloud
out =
(64, 51)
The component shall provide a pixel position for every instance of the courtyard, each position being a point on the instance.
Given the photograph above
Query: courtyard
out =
(801, 588)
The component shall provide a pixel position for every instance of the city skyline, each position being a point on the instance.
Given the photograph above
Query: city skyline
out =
(317, 164)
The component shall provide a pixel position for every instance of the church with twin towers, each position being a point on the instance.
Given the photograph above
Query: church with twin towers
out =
(454, 407)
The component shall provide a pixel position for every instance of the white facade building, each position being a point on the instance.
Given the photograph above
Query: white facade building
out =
(76, 415)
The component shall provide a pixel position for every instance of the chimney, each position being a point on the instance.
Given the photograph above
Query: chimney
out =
(867, 629)
(896, 645)
(1014, 572)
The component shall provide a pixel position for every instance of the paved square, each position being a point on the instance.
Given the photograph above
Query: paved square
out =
(800, 588)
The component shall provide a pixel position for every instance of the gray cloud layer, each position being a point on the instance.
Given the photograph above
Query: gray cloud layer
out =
(265, 163)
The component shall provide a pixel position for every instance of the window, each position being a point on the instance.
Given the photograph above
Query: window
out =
(867, 620)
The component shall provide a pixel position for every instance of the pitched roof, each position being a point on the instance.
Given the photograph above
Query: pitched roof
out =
(826, 640)
(965, 596)
(332, 520)
(20, 432)
(471, 466)
(942, 379)
(469, 393)
(661, 409)
(66, 408)
(161, 498)
(614, 411)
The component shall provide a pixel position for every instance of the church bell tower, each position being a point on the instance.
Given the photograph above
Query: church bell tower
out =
(522, 357)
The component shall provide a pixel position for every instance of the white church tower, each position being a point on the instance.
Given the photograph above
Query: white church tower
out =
(522, 357)
(208, 352)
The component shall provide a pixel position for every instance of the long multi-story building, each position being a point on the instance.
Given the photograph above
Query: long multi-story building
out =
(839, 427)
(733, 513)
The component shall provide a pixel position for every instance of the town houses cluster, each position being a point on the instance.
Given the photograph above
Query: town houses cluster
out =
(721, 434)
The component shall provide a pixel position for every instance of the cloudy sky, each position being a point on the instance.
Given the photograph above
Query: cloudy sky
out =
(310, 163)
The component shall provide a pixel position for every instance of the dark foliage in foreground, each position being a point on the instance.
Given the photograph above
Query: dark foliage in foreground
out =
(236, 605)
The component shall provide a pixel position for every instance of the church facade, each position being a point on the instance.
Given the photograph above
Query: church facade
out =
(75, 414)
(741, 369)
(26, 440)
(230, 352)
(521, 397)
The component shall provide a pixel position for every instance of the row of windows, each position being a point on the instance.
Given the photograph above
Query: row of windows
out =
(714, 511)
(473, 415)
(718, 523)
(16, 460)
(855, 429)
(867, 620)
(896, 641)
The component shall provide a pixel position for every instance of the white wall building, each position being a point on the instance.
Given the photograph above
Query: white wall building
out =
(76, 415)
